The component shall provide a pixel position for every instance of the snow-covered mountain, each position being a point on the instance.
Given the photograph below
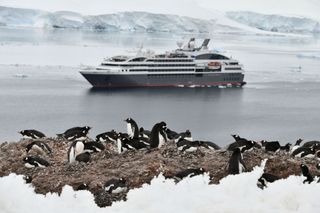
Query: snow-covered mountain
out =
(122, 21)
(152, 22)
(276, 23)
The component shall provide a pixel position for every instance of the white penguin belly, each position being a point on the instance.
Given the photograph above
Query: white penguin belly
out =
(129, 130)
(161, 140)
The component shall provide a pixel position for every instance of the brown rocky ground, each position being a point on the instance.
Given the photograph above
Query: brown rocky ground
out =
(137, 167)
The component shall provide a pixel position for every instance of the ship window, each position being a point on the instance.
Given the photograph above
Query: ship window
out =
(209, 56)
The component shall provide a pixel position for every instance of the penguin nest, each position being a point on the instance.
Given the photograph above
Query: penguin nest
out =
(137, 167)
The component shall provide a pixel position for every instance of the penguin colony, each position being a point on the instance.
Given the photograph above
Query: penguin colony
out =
(81, 149)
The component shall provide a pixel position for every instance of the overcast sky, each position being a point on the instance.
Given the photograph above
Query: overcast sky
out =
(194, 8)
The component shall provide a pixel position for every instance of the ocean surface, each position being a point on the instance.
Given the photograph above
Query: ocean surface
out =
(40, 87)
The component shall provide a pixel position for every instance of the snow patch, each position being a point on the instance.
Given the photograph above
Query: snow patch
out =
(235, 193)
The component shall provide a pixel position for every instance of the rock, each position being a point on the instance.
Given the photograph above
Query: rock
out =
(137, 167)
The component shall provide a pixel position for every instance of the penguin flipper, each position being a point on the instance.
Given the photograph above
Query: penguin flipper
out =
(244, 165)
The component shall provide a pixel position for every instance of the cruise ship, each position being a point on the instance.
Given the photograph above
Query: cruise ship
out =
(187, 66)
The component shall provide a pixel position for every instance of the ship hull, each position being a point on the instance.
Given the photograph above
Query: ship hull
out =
(107, 80)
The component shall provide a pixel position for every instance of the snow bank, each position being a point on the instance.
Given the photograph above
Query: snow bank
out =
(276, 23)
(234, 194)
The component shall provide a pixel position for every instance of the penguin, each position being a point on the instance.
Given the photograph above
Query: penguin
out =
(75, 133)
(311, 143)
(296, 145)
(82, 186)
(171, 134)
(93, 146)
(187, 146)
(209, 145)
(32, 134)
(318, 166)
(107, 137)
(144, 133)
(33, 161)
(158, 136)
(184, 135)
(236, 164)
(76, 136)
(75, 149)
(238, 138)
(115, 186)
(83, 157)
(40, 146)
(286, 147)
(274, 146)
(305, 172)
(245, 144)
(132, 128)
(27, 178)
(271, 146)
(133, 144)
(305, 151)
(265, 179)
(188, 173)
(317, 155)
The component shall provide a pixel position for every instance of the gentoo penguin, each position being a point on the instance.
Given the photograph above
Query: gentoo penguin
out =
(93, 146)
(82, 186)
(158, 135)
(311, 143)
(317, 155)
(238, 138)
(75, 133)
(75, 149)
(83, 157)
(274, 146)
(236, 164)
(171, 134)
(209, 145)
(245, 145)
(188, 173)
(27, 178)
(296, 145)
(115, 186)
(187, 146)
(33, 161)
(32, 133)
(39, 146)
(132, 128)
(305, 151)
(265, 179)
(305, 172)
(184, 135)
(144, 133)
(318, 166)
(125, 143)
(107, 137)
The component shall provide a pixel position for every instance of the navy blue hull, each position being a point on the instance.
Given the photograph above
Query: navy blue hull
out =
(106, 80)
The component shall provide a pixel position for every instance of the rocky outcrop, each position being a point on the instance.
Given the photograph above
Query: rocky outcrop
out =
(137, 167)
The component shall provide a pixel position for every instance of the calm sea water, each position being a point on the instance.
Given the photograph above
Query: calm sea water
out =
(281, 100)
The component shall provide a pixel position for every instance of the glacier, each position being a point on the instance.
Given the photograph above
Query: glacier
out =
(235, 193)
(276, 23)
(238, 21)
(122, 21)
